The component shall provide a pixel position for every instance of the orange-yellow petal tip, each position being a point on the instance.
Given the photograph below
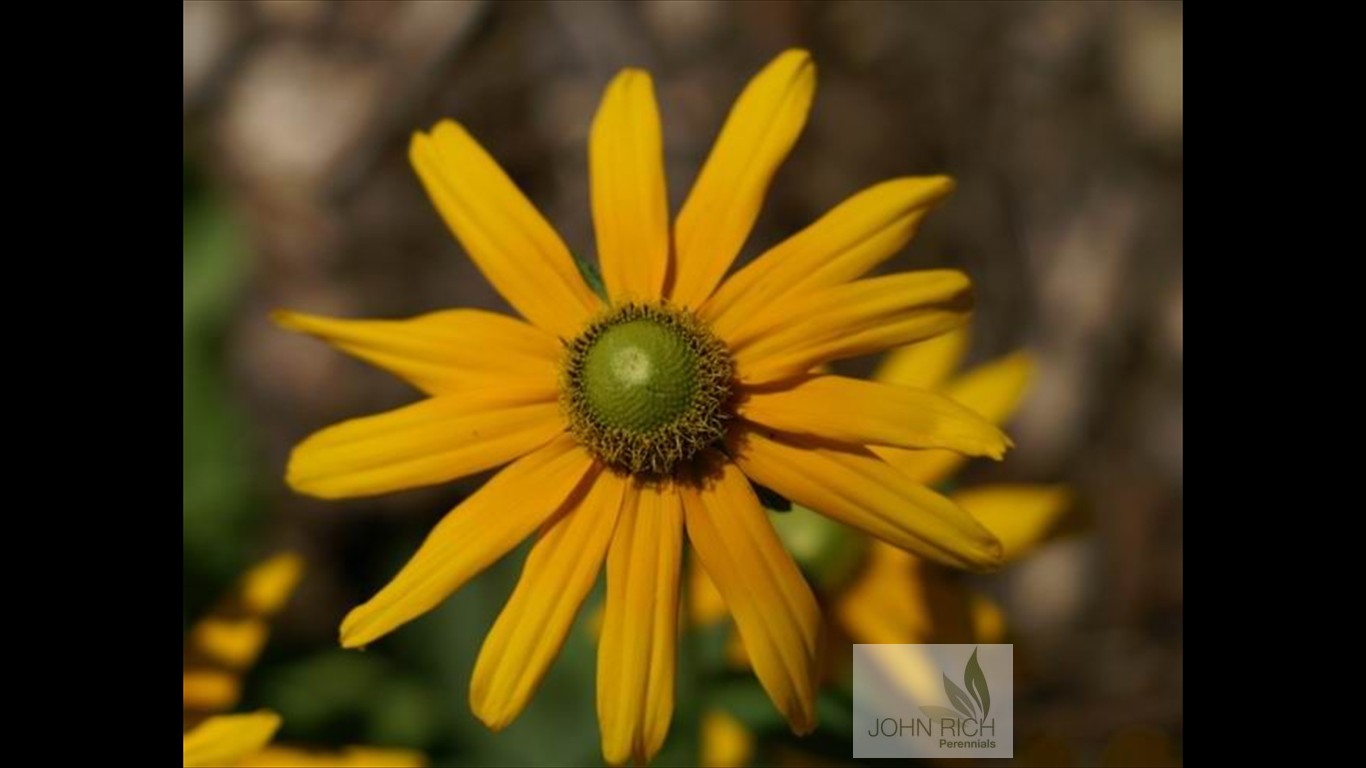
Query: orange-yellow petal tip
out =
(946, 183)
(420, 140)
(349, 635)
(228, 739)
(804, 727)
(268, 585)
(802, 719)
(297, 479)
(987, 553)
(300, 322)
(1023, 362)
(285, 319)
(998, 452)
(493, 720)
(995, 554)
(363, 626)
(796, 61)
(924, 190)
(1021, 516)
(804, 65)
(443, 125)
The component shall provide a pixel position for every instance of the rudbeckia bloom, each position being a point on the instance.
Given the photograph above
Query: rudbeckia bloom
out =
(224, 645)
(875, 593)
(632, 421)
(900, 598)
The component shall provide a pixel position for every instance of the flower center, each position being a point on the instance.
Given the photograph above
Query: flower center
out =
(645, 386)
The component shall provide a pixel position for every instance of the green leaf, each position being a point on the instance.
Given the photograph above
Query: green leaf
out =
(747, 702)
(958, 698)
(976, 683)
(830, 554)
(220, 483)
(834, 712)
(591, 275)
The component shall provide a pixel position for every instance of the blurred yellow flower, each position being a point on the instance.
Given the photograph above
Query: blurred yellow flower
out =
(226, 740)
(219, 650)
(893, 596)
(725, 740)
(899, 598)
(632, 419)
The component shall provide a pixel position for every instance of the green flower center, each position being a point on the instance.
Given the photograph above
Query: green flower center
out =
(645, 386)
(639, 375)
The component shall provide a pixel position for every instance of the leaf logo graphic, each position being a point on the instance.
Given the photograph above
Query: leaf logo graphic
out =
(977, 698)
(976, 683)
(958, 699)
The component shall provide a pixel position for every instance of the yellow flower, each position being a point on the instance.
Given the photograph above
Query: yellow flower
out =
(899, 598)
(893, 596)
(725, 740)
(627, 421)
(228, 739)
(223, 646)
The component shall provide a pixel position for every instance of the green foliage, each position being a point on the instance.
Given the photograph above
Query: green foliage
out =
(338, 697)
(218, 477)
(828, 552)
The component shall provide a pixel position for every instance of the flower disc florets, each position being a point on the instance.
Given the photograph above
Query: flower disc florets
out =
(645, 387)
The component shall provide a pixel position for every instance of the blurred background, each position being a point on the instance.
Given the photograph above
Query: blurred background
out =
(1062, 123)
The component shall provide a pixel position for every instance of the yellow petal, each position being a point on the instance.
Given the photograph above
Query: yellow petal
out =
(234, 642)
(993, 390)
(907, 672)
(860, 490)
(864, 412)
(926, 364)
(846, 243)
(928, 467)
(988, 620)
(443, 352)
(224, 740)
(348, 757)
(234, 633)
(1021, 516)
(431, 441)
(726, 743)
(773, 607)
(630, 200)
(900, 598)
(558, 574)
(473, 536)
(853, 319)
(729, 191)
(268, 585)
(508, 239)
(636, 654)
(885, 603)
(230, 638)
(210, 690)
(705, 606)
